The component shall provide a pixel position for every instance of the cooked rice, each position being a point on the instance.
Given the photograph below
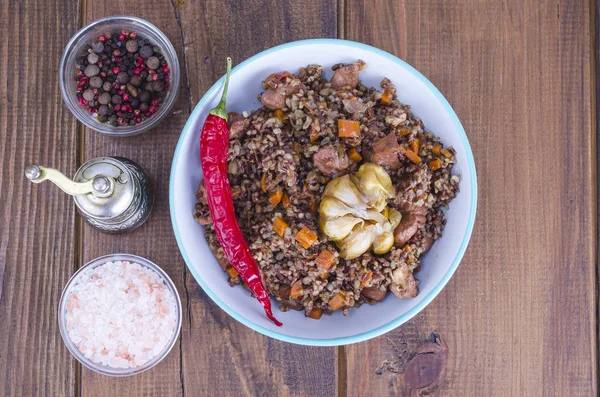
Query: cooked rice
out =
(262, 143)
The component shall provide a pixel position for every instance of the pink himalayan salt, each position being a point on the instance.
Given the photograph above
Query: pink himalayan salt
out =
(121, 314)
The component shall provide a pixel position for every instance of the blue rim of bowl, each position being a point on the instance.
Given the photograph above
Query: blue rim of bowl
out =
(395, 322)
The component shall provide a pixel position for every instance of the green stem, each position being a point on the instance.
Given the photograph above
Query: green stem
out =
(220, 110)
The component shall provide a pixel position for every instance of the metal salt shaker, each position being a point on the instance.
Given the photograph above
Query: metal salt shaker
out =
(112, 194)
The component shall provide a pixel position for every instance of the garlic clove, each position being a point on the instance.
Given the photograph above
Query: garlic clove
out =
(338, 228)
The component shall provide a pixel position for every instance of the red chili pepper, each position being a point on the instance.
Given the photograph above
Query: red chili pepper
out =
(214, 146)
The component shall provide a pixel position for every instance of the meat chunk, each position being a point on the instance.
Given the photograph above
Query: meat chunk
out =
(346, 76)
(201, 193)
(403, 283)
(273, 99)
(407, 228)
(237, 125)
(374, 293)
(330, 160)
(385, 152)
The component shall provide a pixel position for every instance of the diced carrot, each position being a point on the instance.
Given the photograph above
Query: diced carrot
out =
(386, 98)
(337, 301)
(306, 237)
(313, 135)
(348, 128)
(407, 248)
(280, 115)
(414, 145)
(315, 313)
(263, 182)
(412, 156)
(325, 260)
(285, 200)
(275, 197)
(324, 275)
(279, 225)
(436, 150)
(312, 204)
(447, 153)
(366, 277)
(404, 131)
(296, 290)
(435, 164)
(232, 272)
(354, 155)
(322, 105)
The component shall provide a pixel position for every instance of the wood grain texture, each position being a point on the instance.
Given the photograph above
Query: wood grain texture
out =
(212, 30)
(519, 316)
(37, 233)
(216, 355)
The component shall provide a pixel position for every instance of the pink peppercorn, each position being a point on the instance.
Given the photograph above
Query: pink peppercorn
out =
(140, 61)
(155, 102)
(166, 70)
(125, 32)
(166, 84)
(137, 70)
(132, 35)
(102, 39)
(103, 74)
(125, 97)
(116, 70)
(121, 37)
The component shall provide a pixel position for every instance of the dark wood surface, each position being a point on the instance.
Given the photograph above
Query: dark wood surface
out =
(518, 318)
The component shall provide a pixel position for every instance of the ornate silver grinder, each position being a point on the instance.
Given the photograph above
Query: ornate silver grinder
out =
(112, 194)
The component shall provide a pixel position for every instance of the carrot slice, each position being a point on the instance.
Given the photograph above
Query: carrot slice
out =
(386, 98)
(232, 272)
(437, 150)
(325, 260)
(285, 200)
(447, 153)
(366, 277)
(312, 204)
(275, 197)
(337, 301)
(279, 225)
(404, 131)
(435, 164)
(412, 156)
(263, 182)
(354, 155)
(315, 313)
(414, 145)
(296, 290)
(280, 115)
(348, 128)
(306, 237)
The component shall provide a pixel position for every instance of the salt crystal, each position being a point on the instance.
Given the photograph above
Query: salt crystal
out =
(121, 314)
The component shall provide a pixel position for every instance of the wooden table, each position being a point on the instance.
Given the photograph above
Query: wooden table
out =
(519, 318)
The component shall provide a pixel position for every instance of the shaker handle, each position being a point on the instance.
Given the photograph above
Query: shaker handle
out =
(99, 186)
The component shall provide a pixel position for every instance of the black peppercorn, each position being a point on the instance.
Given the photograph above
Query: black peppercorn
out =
(146, 52)
(122, 78)
(145, 97)
(116, 99)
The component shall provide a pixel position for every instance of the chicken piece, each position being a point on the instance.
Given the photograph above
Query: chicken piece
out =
(237, 125)
(374, 293)
(330, 160)
(273, 99)
(403, 283)
(407, 228)
(385, 152)
(345, 76)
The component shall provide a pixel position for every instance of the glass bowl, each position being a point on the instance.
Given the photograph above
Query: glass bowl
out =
(103, 369)
(88, 34)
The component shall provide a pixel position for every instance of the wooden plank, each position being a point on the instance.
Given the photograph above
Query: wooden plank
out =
(519, 316)
(37, 240)
(216, 355)
(228, 358)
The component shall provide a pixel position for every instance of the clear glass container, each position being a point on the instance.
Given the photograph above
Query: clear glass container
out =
(103, 369)
(88, 34)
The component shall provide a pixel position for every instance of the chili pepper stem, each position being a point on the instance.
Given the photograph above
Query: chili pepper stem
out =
(220, 110)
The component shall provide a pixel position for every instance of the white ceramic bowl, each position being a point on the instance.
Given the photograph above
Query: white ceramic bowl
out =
(438, 264)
